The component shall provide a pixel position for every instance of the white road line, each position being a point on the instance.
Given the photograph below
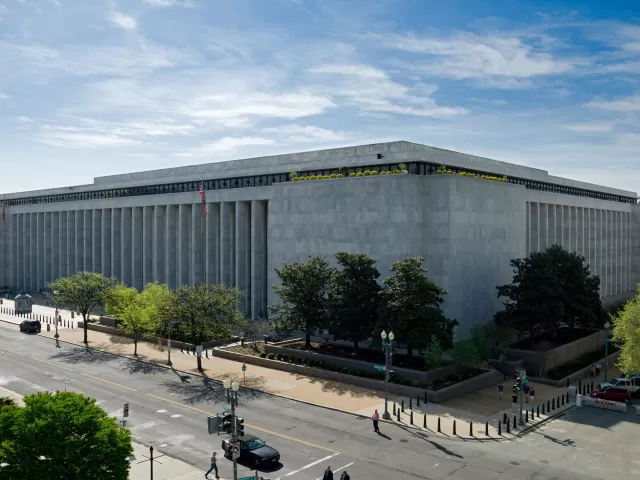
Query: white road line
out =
(337, 470)
(328, 457)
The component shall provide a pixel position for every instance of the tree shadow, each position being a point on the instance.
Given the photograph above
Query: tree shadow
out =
(337, 388)
(145, 365)
(82, 355)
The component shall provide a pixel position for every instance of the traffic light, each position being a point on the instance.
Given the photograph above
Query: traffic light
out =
(126, 410)
(239, 426)
(225, 424)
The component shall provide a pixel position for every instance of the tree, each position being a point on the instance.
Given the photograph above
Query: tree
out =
(304, 293)
(84, 292)
(626, 329)
(433, 353)
(354, 298)
(411, 306)
(62, 435)
(474, 350)
(204, 312)
(551, 289)
(140, 312)
(6, 402)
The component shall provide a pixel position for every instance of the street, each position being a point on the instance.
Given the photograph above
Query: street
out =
(168, 411)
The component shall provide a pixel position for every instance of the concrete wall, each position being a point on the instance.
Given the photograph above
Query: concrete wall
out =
(575, 376)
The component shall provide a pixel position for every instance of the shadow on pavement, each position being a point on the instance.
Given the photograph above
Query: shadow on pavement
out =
(82, 355)
(206, 390)
(335, 387)
(145, 365)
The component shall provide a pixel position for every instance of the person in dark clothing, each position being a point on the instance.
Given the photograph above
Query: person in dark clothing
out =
(345, 476)
(328, 474)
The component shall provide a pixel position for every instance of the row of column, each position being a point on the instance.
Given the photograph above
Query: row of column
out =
(172, 244)
(602, 237)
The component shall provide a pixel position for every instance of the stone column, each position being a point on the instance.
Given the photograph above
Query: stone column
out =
(24, 250)
(5, 251)
(58, 244)
(258, 259)
(40, 260)
(125, 248)
(105, 247)
(183, 245)
(71, 243)
(243, 254)
(171, 242)
(137, 249)
(14, 250)
(227, 243)
(116, 243)
(87, 256)
(197, 244)
(47, 249)
(33, 254)
(96, 241)
(534, 226)
(212, 242)
(159, 229)
(147, 245)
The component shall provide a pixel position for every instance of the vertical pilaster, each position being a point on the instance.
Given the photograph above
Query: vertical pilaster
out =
(116, 243)
(106, 242)
(159, 229)
(243, 254)
(171, 247)
(96, 241)
(543, 227)
(196, 248)
(551, 233)
(48, 252)
(25, 250)
(137, 248)
(14, 251)
(87, 257)
(71, 243)
(33, 254)
(227, 215)
(40, 262)
(213, 243)
(534, 227)
(183, 244)
(59, 244)
(125, 246)
(573, 230)
(258, 259)
(147, 245)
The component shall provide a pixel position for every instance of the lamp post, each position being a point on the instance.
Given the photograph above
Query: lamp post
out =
(171, 322)
(232, 397)
(387, 346)
(57, 337)
(607, 326)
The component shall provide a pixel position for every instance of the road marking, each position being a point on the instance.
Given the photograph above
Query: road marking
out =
(313, 464)
(337, 470)
(177, 415)
(52, 364)
(254, 427)
(107, 381)
(11, 351)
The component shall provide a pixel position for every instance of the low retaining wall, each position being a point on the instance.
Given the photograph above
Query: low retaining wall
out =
(579, 375)
(152, 339)
(583, 401)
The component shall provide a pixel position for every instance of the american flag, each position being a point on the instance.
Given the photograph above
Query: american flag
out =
(203, 195)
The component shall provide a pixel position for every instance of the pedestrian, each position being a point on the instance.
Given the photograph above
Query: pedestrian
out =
(500, 390)
(598, 368)
(214, 466)
(375, 418)
(532, 393)
(328, 474)
(514, 400)
(592, 371)
(526, 390)
(345, 476)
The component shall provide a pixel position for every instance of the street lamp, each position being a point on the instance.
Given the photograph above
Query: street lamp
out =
(57, 337)
(171, 322)
(387, 346)
(232, 397)
(607, 326)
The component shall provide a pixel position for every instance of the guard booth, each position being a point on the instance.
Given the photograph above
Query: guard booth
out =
(24, 303)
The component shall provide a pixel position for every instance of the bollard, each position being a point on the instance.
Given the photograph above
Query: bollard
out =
(533, 412)
(508, 428)
(71, 325)
(398, 415)
(206, 354)
(471, 429)
(417, 400)
(439, 425)
(424, 424)
(548, 406)
(394, 409)
(543, 412)
(538, 414)
(504, 418)
(454, 427)
(558, 401)
(411, 417)
(486, 428)
(526, 416)
(567, 398)
(403, 405)
(499, 428)
(410, 403)
(562, 399)
(579, 385)
(515, 422)
(181, 350)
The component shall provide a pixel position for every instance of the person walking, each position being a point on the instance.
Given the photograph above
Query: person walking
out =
(345, 476)
(514, 401)
(532, 393)
(375, 418)
(328, 474)
(526, 390)
(500, 390)
(214, 466)
(598, 368)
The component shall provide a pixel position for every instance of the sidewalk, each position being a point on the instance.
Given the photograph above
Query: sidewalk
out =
(479, 407)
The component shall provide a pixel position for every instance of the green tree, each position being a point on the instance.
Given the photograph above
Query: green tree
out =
(411, 306)
(433, 353)
(84, 292)
(550, 289)
(204, 312)
(62, 435)
(354, 295)
(626, 329)
(6, 402)
(303, 290)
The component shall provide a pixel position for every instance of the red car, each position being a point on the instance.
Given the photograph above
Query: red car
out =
(613, 394)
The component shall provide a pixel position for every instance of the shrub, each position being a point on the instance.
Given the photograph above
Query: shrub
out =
(271, 356)
(313, 177)
(278, 356)
(333, 175)
(326, 177)
(352, 174)
(407, 171)
(396, 171)
(295, 179)
(367, 173)
(263, 355)
(374, 172)
(285, 357)
(359, 174)
(293, 175)
(402, 166)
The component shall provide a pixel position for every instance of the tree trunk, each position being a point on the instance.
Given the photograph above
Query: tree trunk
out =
(84, 318)
(135, 347)
(199, 363)
(307, 340)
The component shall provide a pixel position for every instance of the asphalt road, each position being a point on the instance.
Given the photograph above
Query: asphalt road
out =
(168, 410)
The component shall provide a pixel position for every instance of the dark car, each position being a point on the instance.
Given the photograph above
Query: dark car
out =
(30, 326)
(253, 451)
(614, 394)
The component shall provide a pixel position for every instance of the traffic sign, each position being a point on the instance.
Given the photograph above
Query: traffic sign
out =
(235, 451)
(227, 408)
(380, 368)
(244, 367)
(126, 410)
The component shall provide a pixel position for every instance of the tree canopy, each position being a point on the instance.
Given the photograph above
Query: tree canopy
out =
(62, 435)
(304, 290)
(626, 329)
(411, 307)
(354, 297)
(551, 289)
(84, 292)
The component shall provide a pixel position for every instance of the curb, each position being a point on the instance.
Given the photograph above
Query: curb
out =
(542, 422)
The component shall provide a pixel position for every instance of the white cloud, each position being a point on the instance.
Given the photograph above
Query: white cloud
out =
(169, 3)
(123, 21)
(628, 104)
(85, 140)
(603, 127)
(4, 96)
(226, 144)
(304, 134)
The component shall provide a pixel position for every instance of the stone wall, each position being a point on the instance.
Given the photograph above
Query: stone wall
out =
(579, 375)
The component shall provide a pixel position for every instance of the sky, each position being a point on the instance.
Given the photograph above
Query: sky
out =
(92, 87)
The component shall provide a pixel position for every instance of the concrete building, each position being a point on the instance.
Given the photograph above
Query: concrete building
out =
(148, 226)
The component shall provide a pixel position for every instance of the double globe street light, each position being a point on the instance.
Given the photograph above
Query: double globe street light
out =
(232, 397)
(387, 346)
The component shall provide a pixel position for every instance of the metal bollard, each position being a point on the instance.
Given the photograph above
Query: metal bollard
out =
(471, 429)
(505, 419)
(486, 428)
(562, 399)
(394, 409)
(579, 385)
(548, 406)
(403, 405)
(543, 412)
(499, 428)
(591, 388)
(410, 403)
(538, 414)
(567, 398)
(439, 430)
(508, 428)
(398, 416)
(526, 416)
(424, 424)
(206, 354)
(417, 400)
(454, 427)
(533, 412)
(71, 314)
(515, 422)
(558, 401)
(411, 417)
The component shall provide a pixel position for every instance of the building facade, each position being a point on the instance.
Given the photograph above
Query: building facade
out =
(150, 226)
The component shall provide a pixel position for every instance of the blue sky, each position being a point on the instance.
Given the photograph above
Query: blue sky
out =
(91, 88)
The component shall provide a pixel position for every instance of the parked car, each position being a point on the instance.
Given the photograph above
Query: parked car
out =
(253, 451)
(614, 394)
(30, 326)
(631, 385)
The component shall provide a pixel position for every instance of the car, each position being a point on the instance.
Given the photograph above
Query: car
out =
(631, 385)
(614, 394)
(253, 451)
(30, 326)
